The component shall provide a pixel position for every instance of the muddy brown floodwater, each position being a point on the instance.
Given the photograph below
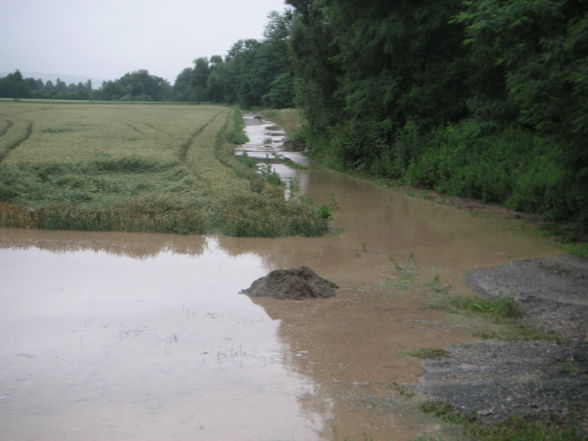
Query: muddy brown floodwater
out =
(116, 336)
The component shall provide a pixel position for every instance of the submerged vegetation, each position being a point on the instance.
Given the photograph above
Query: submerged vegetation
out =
(138, 168)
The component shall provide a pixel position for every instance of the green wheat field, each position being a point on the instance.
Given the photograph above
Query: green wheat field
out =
(137, 167)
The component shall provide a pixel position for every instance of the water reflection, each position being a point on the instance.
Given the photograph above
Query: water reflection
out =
(135, 245)
(160, 347)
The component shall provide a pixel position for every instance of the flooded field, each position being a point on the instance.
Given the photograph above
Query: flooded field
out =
(116, 336)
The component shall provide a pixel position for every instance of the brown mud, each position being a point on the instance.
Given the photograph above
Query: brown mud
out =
(117, 336)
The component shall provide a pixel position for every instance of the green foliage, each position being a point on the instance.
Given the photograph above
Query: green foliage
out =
(15, 86)
(182, 88)
(326, 210)
(281, 92)
(498, 308)
(518, 168)
(237, 135)
(136, 86)
(579, 249)
(270, 174)
(252, 73)
(246, 160)
(133, 86)
(427, 353)
(485, 99)
(500, 315)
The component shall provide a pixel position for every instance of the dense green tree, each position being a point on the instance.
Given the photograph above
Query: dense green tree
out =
(216, 84)
(534, 58)
(13, 86)
(387, 64)
(200, 79)
(182, 89)
(281, 92)
(405, 88)
(137, 86)
(253, 72)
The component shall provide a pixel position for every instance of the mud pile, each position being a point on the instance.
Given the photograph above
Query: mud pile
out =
(295, 284)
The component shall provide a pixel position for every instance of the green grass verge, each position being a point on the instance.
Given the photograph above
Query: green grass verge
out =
(500, 315)
(427, 353)
(499, 308)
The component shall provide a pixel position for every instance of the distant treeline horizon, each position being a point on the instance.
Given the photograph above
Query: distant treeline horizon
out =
(133, 86)
(252, 73)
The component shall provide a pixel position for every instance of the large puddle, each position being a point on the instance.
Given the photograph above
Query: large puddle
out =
(113, 336)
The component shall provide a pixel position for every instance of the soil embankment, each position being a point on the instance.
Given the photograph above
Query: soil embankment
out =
(495, 379)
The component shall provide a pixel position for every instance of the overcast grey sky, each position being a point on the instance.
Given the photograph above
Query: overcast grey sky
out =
(107, 38)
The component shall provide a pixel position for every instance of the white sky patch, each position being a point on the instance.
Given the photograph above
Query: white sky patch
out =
(107, 38)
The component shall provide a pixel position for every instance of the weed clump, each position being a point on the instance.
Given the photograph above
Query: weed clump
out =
(501, 307)
(427, 353)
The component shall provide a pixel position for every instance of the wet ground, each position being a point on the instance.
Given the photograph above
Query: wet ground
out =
(113, 336)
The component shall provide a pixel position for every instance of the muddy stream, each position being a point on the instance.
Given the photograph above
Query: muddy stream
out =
(120, 336)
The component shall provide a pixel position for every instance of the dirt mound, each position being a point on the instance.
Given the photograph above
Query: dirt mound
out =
(295, 284)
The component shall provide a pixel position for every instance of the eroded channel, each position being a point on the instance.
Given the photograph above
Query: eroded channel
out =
(116, 336)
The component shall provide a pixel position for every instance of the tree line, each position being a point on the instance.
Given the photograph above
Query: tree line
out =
(485, 99)
(252, 73)
(133, 86)
(14, 85)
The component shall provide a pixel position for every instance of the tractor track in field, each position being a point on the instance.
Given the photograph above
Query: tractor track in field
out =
(17, 142)
(158, 130)
(185, 147)
(135, 129)
(5, 129)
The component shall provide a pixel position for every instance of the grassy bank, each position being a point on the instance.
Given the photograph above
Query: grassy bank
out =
(152, 168)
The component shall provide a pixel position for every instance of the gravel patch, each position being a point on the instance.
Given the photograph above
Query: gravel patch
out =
(495, 379)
